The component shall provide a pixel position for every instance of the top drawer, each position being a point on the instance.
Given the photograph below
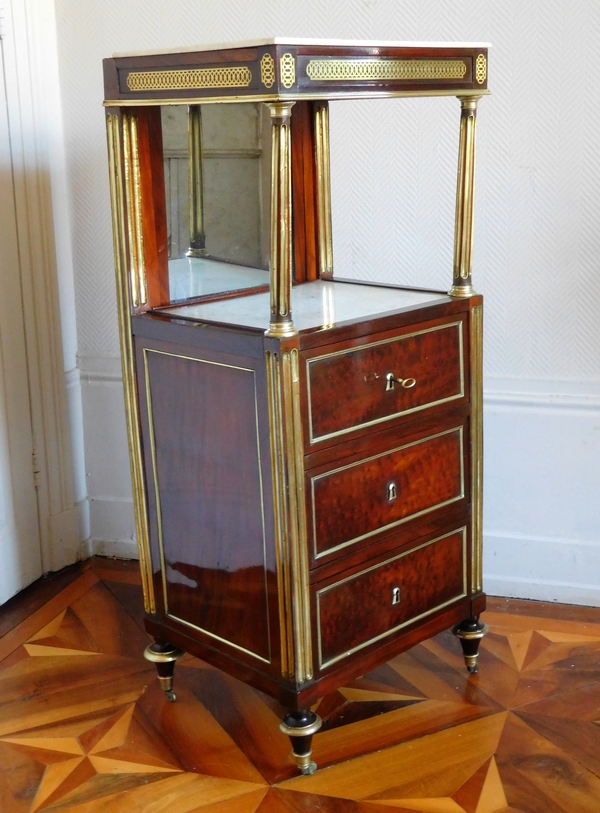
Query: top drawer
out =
(353, 387)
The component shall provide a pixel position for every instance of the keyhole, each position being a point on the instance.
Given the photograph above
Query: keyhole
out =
(392, 492)
(395, 595)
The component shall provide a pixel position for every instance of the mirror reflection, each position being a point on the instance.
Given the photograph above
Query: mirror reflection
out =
(217, 161)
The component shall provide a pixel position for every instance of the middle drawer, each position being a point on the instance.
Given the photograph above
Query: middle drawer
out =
(351, 503)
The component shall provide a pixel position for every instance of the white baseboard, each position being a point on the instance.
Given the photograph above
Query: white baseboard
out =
(542, 481)
(542, 568)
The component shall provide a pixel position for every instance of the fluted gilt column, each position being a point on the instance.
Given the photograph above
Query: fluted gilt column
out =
(463, 230)
(281, 324)
(196, 183)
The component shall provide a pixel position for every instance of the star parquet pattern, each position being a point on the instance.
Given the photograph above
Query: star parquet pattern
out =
(85, 728)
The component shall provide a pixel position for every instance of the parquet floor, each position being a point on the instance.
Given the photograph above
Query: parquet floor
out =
(85, 728)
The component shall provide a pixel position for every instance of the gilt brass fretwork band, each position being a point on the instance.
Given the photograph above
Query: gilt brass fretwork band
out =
(190, 79)
(267, 71)
(369, 70)
(127, 359)
(480, 69)
(287, 70)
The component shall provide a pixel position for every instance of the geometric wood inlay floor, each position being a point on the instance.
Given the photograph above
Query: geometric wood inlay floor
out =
(85, 728)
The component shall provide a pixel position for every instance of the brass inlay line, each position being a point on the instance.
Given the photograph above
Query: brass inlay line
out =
(315, 95)
(369, 70)
(190, 79)
(401, 521)
(147, 351)
(128, 361)
(428, 405)
(287, 70)
(430, 611)
(477, 446)
(218, 638)
(323, 190)
(480, 69)
(267, 70)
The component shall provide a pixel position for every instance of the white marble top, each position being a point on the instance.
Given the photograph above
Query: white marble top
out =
(191, 277)
(303, 41)
(314, 304)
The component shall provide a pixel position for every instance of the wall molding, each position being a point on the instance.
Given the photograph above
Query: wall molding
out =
(33, 98)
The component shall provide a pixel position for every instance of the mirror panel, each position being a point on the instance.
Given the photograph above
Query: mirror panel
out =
(217, 164)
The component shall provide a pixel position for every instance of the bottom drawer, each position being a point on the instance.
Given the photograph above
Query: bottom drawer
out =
(375, 602)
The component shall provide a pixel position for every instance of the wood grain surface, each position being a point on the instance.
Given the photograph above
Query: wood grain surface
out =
(85, 728)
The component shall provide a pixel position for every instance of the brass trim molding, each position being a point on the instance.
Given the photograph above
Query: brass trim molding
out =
(287, 70)
(480, 69)
(291, 541)
(190, 79)
(317, 439)
(313, 95)
(133, 197)
(267, 71)
(370, 70)
(401, 521)
(477, 446)
(323, 190)
(147, 351)
(127, 359)
(430, 611)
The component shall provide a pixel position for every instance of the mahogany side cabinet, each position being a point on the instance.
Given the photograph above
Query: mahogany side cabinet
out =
(306, 450)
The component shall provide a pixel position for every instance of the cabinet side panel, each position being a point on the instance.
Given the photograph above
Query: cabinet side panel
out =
(203, 442)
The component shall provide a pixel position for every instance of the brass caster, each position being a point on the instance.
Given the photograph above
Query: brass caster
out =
(164, 657)
(300, 727)
(470, 633)
(306, 768)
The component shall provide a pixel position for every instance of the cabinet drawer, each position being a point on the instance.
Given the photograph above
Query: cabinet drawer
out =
(349, 389)
(351, 503)
(375, 602)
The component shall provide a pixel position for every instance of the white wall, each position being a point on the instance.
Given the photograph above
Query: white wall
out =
(537, 241)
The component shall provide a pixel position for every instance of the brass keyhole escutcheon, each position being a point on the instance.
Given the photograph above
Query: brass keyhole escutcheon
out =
(396, 596)
(391, 380)
(392, 492)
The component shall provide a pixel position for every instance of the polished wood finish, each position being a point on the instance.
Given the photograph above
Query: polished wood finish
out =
(84, 726)
(299, 85)
(359, 609)
(304, 193)
(154, 218)
(309, 495)
(350, 504)
(427, 357)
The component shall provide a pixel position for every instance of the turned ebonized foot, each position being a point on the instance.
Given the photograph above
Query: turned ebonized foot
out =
(300, 727)
(164, 656)
(470, 633)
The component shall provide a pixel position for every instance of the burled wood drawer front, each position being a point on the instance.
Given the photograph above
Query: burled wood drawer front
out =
(353, 502)
(357, 387)
(375, 602)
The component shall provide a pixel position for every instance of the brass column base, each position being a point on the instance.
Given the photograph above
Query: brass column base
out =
(164, 656)
(462, 291)
(300, 727)
(470, 633)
